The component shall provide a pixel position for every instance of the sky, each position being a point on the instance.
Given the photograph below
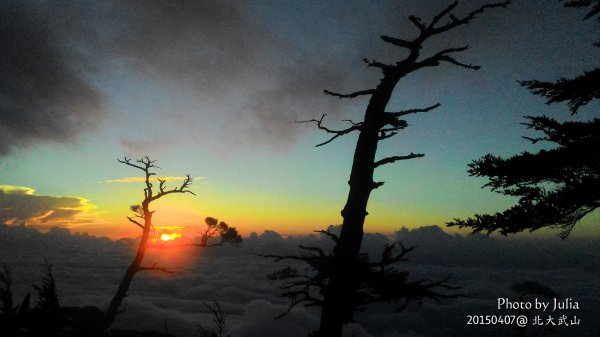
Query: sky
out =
(213, 88)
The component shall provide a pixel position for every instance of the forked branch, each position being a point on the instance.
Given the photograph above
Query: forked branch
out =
(337, 133)
(154, 268)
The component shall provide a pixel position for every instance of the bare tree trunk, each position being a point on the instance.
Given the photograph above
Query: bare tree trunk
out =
(343, 279)
(134, 267)
(378, 125)
(141, 211)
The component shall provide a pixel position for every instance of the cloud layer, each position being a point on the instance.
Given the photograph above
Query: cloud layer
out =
(88, 270)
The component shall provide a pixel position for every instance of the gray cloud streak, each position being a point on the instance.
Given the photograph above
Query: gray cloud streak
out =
(20, 205)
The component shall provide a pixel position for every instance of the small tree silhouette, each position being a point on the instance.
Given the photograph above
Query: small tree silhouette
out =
(12, 318)
(46, 317)
(215, 228)
(143, 213)
(379, 124)
(556, 187)
(219, 317)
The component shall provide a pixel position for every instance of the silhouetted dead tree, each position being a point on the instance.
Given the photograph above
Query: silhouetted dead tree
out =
(214, 228)
(143, 219)
(376, 281)
(219, 317)
(379, 124)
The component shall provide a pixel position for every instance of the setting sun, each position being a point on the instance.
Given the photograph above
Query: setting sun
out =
(169, 237)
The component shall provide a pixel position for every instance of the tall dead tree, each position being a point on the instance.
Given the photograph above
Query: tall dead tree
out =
(143, 219)
(379, 124)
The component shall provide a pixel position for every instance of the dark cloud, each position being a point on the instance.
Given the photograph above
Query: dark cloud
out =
(231, 74)
(88, 270)
(44, 93)
(18, 205)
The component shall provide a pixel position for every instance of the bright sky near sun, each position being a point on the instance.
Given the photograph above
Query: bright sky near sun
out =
(213, 90)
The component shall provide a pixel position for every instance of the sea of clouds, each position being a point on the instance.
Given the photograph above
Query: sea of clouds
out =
(88, 269)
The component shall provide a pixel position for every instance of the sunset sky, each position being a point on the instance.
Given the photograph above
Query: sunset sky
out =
(213, 89)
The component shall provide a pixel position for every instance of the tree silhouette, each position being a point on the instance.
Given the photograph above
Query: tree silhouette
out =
(379, 124)
(12, 318)
(46, 317)
(377, 281)
(143, 219)
(218, 320)
(215, 228)
(557, 187)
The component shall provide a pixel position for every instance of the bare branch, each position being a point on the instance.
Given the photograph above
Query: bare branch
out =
(338, 133)
(181, 189)
(443, 13)
(377, 184)
(313, 249)
(278, 258)
(127, 161)
(376, 64)
(454, 21)
(350, 95)
(352, 122)
(399, 42)
(206, 245)
(417, 22)
(458, 63)
(135, 222)
(443, 56)
(154, 268)
(390, 160)
(332, 236)
(412, 111)
(384, 135)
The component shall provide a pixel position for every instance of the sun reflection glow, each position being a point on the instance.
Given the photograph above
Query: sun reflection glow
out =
(169, 237)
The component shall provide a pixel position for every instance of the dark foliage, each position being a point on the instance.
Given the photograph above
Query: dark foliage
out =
(48, 318)
(224, 232)
(12, 318)
(576, 92)
(557, 187)
(47, 315)
(378, 281)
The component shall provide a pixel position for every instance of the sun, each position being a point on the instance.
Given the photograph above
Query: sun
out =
(169, 237)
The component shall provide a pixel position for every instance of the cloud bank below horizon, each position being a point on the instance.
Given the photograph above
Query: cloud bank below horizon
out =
(88, 269)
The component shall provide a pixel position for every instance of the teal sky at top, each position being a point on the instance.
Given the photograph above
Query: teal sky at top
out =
(221, 135)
